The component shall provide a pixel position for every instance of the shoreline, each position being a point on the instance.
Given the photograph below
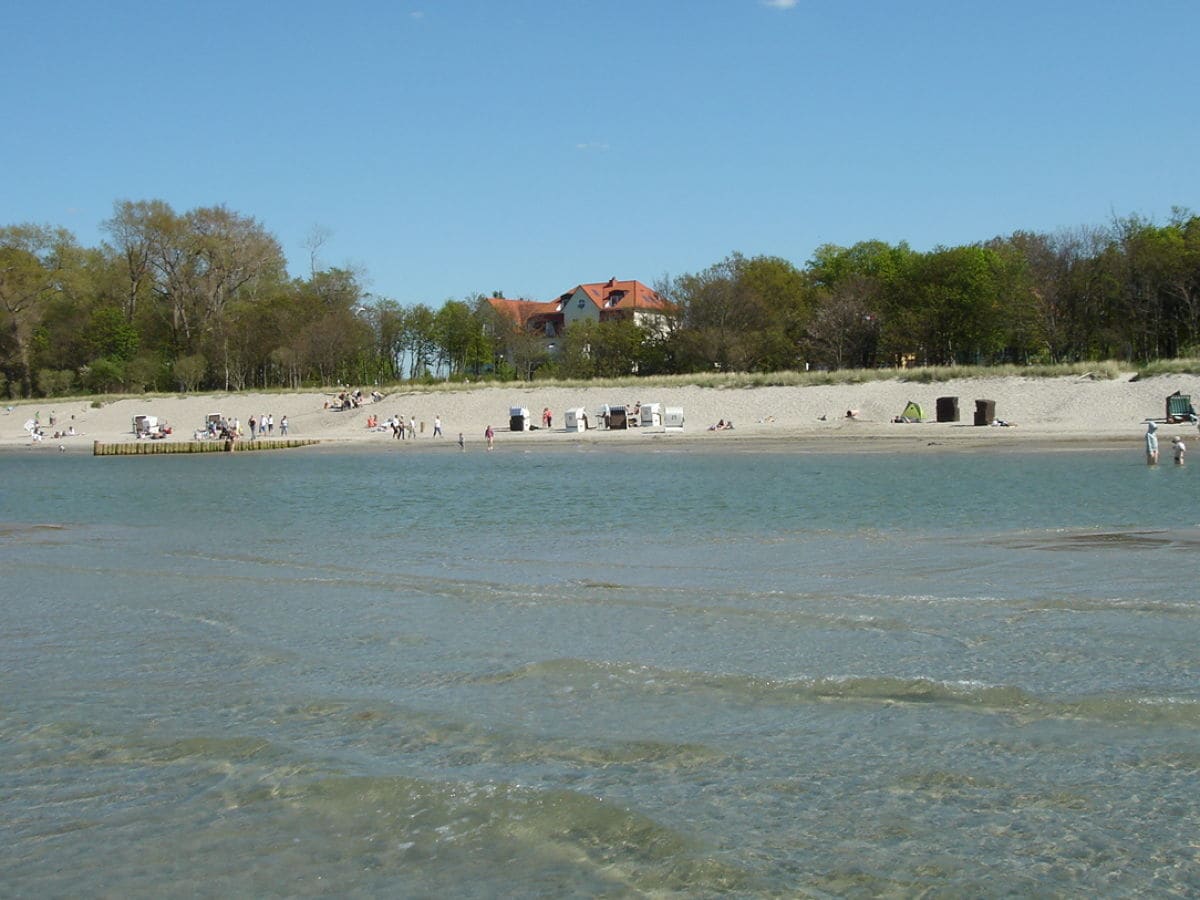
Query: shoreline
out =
(1067, 413)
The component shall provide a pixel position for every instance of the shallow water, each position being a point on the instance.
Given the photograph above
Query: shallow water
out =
(587, 672)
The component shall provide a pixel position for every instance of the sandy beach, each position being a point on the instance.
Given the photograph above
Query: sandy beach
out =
(1068, 412)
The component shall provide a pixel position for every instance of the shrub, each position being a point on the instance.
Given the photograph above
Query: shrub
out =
(104, 375)
(189, 371)
(55, 382)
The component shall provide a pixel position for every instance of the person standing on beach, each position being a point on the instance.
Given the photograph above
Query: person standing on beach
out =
(490, 436)
(1151, 444)
(462, 444)
(283, 426)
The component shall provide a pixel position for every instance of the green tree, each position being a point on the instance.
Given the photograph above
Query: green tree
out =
(34, 262)
(741, 314)
(110, 334)
(844, 328)
(420, 340)
(133, 227)
(947, 310)
(457, 332)
(194, 266)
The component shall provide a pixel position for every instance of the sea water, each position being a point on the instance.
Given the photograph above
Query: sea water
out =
(599, 672)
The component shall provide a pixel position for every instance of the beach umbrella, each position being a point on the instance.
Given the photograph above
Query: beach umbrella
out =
(30, 424)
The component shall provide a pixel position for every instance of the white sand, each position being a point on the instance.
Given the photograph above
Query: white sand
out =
(1069, 411)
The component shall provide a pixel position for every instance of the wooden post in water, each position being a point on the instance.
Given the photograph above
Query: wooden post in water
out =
(149, 448)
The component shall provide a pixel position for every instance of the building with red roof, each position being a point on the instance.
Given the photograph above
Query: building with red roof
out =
(602, 301)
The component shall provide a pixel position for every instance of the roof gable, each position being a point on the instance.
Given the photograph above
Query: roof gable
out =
(614, 294)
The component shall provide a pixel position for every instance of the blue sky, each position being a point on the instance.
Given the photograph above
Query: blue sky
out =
(447, 148)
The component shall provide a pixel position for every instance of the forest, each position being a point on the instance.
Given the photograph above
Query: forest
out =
(202, 300)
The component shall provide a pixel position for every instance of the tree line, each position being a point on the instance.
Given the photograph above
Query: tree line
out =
(202, 300)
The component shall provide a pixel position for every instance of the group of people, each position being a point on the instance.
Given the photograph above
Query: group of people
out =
(352, 399)
(37, 431)
(231, 429)
(264, 426)
(1178, 448)
(401, 429)
(224, 429)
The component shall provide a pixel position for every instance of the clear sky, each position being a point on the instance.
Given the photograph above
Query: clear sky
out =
(448, 147)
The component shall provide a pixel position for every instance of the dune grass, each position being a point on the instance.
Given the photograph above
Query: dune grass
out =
(1106, 370)
(1182, 366)
(727, 380)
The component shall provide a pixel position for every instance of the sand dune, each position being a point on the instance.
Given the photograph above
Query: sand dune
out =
(1070, 410)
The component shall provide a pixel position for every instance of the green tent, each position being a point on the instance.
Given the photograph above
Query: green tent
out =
(912, 413)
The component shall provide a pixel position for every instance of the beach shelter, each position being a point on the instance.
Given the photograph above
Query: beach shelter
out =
(145, 424)
(519, 419)
(1180, 409)
(651, 415)
(618, 417)
(912, 413)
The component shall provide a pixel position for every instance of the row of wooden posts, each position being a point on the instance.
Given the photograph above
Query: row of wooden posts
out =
(140, 448)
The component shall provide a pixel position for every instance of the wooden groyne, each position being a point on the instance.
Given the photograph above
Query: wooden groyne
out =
(143, 448)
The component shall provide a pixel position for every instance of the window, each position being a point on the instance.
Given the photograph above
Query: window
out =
(582, 301)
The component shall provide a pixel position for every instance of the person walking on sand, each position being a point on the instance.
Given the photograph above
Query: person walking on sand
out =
(490, 435)
(462, 444)
(1179, 449)
(437, 426)
(1151, 444)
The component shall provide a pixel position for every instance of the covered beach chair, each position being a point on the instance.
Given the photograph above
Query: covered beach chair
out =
(1180, 409)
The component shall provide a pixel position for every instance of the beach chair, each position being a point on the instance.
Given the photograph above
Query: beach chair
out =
(1180, 409)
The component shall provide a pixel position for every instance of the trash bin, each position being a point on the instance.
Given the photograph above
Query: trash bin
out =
(985, 412)
(947, 409)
